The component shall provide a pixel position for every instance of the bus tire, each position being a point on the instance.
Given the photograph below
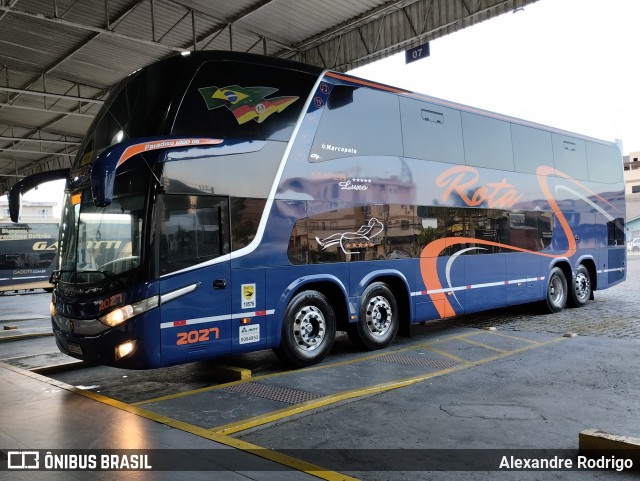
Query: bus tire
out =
(557, 294)
(581, 292)
(378, 320)
(308, 329)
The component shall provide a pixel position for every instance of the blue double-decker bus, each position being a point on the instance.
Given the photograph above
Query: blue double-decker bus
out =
(223, 203)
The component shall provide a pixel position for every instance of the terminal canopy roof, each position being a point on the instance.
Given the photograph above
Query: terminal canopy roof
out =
(59, 58)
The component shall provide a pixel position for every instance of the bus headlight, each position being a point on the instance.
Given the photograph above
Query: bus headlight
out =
(117, 316)
(124, 313)
(124, 349)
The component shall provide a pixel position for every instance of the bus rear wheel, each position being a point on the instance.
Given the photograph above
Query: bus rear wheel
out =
(378, 321)
(581, 292)
(556, 291)
(308, 329)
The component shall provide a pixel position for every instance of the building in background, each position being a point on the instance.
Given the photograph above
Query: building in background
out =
(632, 193)
(31, 211)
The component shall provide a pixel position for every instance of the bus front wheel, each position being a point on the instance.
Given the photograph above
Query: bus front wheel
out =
(378, 321)
(308, 329)
(556, 291)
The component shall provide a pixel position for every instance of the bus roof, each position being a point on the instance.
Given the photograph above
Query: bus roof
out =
(189, 63)
(462, 107)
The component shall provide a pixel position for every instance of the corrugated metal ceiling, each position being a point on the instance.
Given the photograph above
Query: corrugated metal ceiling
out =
(59, 58)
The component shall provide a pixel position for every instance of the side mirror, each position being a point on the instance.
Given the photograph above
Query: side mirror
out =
(25, 185)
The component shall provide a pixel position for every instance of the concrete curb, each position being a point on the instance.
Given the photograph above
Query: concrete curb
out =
(231, 373)
(596, 442)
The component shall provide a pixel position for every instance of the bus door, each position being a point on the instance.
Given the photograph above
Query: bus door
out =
(248, 327)
(616, 251)
(195, 282)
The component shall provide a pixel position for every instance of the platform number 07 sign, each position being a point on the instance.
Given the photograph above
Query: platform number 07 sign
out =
(416, 53)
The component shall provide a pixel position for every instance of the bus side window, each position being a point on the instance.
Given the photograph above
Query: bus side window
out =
(487, 142)
(358, 122)
(569, 156)
(532, 148)
(245, 219)
(298, 250)
(193, 229)
(431, 132)
(615, 229)
(603, 163)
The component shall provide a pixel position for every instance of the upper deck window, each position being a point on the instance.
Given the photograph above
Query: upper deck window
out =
(431, 132)
(570, 157)
(358, 121)
(531, 148)
(487, 142)
(604, 163)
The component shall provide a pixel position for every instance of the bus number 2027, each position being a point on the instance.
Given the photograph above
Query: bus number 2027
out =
(198, 335)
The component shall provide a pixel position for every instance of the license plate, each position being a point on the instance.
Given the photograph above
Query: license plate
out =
(74, 348)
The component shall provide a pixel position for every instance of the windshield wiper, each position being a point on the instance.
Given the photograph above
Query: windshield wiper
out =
(54, 278)
(112, 278)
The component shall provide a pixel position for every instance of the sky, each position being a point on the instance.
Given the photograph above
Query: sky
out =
(570, 64)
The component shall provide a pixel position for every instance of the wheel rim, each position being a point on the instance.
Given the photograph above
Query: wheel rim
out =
(309, 328)
(583, 286)
(556, 291)
(378, 316)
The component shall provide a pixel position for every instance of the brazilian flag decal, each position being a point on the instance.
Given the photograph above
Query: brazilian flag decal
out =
(246, 103)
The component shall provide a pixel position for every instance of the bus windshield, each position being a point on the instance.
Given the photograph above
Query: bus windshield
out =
(100, 244)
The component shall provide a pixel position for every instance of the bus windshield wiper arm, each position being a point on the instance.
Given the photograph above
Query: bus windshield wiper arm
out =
(110, 277)
(54, 278)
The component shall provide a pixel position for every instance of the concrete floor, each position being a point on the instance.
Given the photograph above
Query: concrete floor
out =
(521, 390)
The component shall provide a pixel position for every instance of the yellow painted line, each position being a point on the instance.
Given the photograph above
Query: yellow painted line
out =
(465, 338)
(426, 345)
(517, 338)
(484, 346)
(250, 448)
(267, 376)
(325, 401)
(365, 391)
(314, 368)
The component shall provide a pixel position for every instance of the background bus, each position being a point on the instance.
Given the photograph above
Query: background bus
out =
(28, 254)
(223, 203)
